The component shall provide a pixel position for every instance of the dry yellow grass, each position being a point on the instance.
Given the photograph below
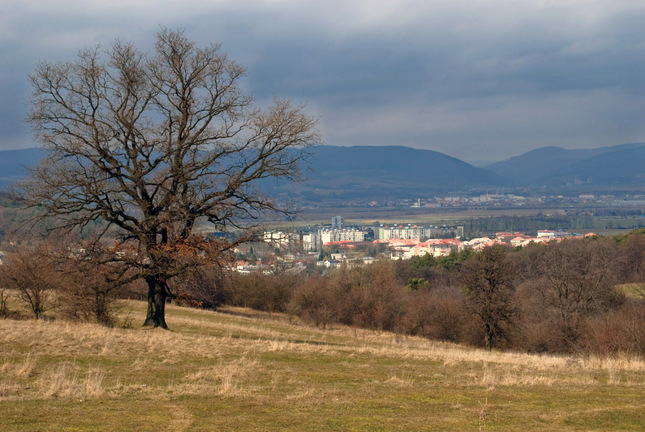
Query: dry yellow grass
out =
(266, 370)
(41, 343)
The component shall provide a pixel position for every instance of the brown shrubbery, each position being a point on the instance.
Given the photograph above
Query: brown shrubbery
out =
(203, 287)
(368, 296)
(52, 276)
(265, 292)
(557, 298)
(34, 277)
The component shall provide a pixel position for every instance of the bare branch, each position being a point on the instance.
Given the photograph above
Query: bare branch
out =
(156, 143)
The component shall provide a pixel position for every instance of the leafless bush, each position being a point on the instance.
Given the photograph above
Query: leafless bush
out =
(265, 292)
(368, 296)
(441, 315)
(33, 275)
(617, 331)
(630, 262)
(314, 302)
(204, 287)
(4, 298)
(92, 278)
(72, 276)
(576, 281)
(90, 293)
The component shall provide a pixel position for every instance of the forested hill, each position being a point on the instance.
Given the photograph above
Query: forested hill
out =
(604, 167)
(389, 172)
(344, 173)
(372, 172)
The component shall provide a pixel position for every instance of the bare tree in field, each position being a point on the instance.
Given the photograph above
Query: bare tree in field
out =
(155, 144)
(489, 287)
(577, 281)
(33, 275)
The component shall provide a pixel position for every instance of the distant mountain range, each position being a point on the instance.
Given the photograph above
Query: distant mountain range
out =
(386, 172)
(605, 168)
(14, 164)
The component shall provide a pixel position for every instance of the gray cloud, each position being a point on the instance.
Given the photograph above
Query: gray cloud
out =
(473, 79)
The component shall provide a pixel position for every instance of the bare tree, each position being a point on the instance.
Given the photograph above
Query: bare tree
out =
(489, 288)
(92, 279)
(577, 281)
(32, 274)
(155, 145)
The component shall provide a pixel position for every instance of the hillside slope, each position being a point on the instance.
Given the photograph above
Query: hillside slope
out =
(13, 164)
(243, 370)
(386, 172)
(620, 165)
(365, 173)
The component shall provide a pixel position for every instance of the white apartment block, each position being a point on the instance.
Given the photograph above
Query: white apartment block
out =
(335, 235)
(416, 233)
(403, 233)
(279, 239)
(310, 242)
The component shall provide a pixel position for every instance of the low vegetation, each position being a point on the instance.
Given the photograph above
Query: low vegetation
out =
(570, 297)
(565, 297)
(387, 346)
(243, 370)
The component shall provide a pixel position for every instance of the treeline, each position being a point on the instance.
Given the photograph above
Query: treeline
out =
(582, 221)
(557, 298)
(527, 223)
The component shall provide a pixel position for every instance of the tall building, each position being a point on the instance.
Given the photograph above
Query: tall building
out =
(337, 222)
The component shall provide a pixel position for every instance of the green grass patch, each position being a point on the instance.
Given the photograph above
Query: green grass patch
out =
(634, 290)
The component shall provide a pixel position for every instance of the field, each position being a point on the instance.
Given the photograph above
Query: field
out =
(242, 370)
(605, 225)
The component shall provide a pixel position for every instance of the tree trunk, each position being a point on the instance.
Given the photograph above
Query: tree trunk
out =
(157, 294)
(488, 337)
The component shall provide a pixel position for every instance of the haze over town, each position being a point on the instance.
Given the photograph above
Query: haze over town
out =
(477, 80)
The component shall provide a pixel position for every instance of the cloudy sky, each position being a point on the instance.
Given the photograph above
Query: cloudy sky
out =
(476, 79)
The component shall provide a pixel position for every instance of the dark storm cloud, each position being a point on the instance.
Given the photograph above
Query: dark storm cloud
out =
(473, 79)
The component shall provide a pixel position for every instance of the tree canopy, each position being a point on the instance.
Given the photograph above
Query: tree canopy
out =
(155, 143)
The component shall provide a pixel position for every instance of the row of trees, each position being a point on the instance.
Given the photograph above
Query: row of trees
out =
(74, 280)
(560, 297)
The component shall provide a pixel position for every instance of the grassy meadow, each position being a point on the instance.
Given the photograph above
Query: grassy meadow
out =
(247, 371)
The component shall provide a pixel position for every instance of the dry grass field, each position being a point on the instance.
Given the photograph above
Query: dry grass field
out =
(238, 370)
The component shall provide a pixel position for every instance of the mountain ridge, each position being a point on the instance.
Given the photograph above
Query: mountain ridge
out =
(543, 165)
(366, 173)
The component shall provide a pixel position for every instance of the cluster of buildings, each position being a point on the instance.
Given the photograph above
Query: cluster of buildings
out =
(414, 232)
(401, 241)
(406, 249)
(509, 199)
(318, 237)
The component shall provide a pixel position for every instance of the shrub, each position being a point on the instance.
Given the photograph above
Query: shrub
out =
(265, 292)
(367, 296)
(4, 308)
(617, 331)
(204, 288)
(33, 276)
